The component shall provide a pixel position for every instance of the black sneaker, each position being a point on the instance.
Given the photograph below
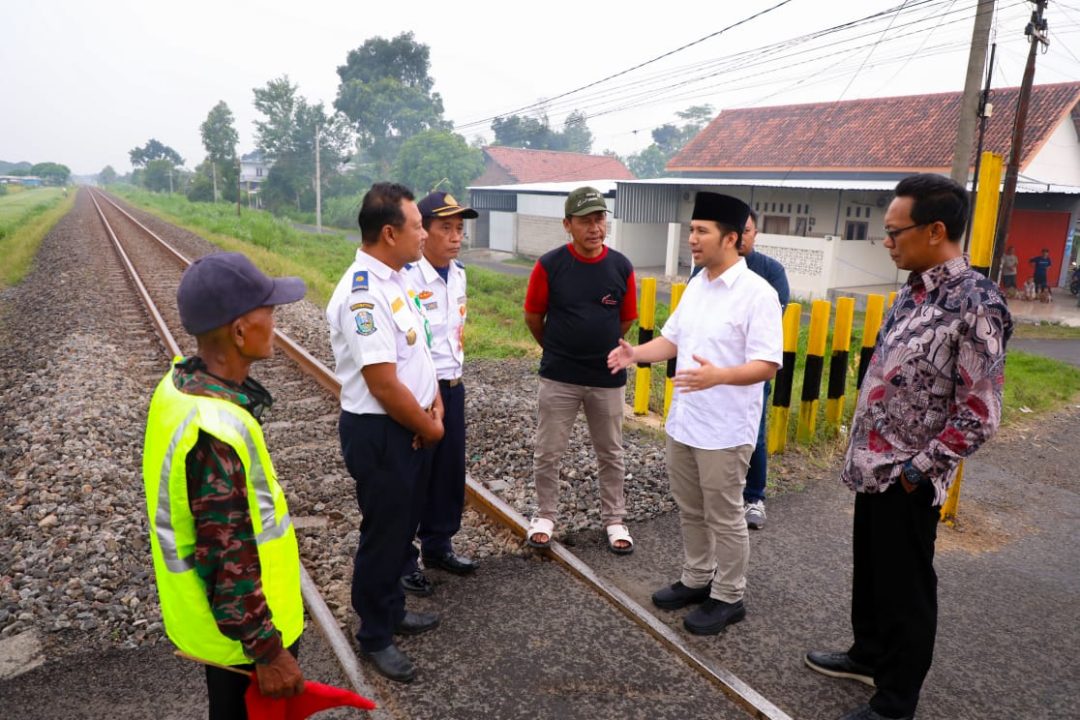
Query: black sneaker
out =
(416, 583)
(713, 616)
(678, 595)
(840, 665)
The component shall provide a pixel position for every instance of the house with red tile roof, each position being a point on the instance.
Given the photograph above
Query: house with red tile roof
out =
(509, 165)
(825, 170)
(521, 192)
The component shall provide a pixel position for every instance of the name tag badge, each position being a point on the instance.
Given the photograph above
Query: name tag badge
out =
(431, 305)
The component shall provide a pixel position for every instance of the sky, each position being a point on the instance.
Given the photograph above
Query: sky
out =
(82, 83)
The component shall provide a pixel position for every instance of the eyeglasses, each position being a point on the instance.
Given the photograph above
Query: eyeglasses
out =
(892, 234)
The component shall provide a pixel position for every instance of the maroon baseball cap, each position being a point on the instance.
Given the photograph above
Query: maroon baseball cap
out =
(220, 287)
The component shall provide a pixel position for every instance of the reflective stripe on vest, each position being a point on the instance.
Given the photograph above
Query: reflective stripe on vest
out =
(173, 425)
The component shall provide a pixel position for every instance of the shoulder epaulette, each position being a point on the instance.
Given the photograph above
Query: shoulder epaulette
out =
(459, 264)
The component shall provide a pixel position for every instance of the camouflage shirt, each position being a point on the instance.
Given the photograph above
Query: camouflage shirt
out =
(226, 556)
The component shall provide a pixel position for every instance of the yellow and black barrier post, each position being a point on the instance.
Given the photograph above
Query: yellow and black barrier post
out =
(776, 439)
(838, 364)
(812, 371)
(669, 385)
(646, 322)
(875, 310)
(892, 298)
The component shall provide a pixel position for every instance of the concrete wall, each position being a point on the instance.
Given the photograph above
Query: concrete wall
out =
(536, 235)
(858, 263)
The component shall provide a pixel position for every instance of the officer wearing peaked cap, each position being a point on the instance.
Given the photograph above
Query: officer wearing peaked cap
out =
(727, 336)
(438, 283)
(228, 577)
(391, 416)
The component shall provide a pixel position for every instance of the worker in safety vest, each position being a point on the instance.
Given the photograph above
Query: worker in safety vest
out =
(224, 547)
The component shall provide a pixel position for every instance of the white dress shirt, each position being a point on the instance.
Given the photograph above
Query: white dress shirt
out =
(444, 304)
(373, 319)
(729, 321)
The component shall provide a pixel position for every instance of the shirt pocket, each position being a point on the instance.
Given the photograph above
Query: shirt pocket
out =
(409, 333)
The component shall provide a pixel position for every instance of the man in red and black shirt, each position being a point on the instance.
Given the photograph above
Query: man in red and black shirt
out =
(581, 299)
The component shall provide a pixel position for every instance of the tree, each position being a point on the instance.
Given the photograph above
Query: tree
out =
(576, 136)
(107, 176)
(160, 176)
(535, 133)
(219, 137)
(668, 139)
(286, 135)
(436, 155)
(154, 150)
(52, 173)
(386, 92)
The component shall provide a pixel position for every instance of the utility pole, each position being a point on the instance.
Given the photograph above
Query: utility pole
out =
(965, 134)
(213, 167)
(1036, 31)
(318, 185)
(239, 184)
(986, 109)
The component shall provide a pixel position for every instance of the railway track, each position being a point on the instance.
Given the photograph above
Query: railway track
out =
(303, 434)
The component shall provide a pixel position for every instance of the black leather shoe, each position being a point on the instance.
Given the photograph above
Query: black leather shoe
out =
(392, 663)
(865, 712)
(416, 623)
(840, 665)
(416, 583)
(678, 595)
(713, 616)
(451, 562)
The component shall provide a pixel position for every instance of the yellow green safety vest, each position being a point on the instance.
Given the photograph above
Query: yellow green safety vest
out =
(172, 428)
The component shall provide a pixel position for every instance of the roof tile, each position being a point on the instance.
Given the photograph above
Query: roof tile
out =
(531, 166)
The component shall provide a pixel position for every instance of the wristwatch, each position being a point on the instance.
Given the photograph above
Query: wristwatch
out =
(913, 475)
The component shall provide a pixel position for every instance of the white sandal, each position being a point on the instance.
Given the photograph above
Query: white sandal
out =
(540, 526)
(616, 533)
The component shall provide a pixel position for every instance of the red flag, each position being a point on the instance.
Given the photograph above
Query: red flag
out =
(315, 698)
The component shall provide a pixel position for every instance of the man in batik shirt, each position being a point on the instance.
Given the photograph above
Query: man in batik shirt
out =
(931, 397)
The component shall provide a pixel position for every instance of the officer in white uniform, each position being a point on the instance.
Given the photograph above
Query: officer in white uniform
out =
(438, 285)
(391, 416)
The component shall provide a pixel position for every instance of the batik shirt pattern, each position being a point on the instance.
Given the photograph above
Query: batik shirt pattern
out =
(932, 392)
(226, 555)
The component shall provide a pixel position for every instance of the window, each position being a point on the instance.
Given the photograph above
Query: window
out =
(258, 172)
(800, 226)
(855, 230)
(775, 225)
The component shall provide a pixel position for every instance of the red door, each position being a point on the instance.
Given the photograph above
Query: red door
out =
(1033, 230)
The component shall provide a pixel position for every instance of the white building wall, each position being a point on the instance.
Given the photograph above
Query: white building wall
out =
(539, 224)
(1058, 160)
(860, 263)
(502, 231)
(643, 243)
(806, 261)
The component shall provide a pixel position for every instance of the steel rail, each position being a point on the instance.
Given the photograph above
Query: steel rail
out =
(317, 608)
(502, 513)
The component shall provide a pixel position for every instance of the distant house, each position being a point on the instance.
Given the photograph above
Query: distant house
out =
(548, 173)
(822, 173)
(26, 180)
(254, 168)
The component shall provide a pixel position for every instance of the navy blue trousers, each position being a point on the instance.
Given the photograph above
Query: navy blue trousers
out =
(441, 517)
(758, 472)
(391, 482)
(894, 593)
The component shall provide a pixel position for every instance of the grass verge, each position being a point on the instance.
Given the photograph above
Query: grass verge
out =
(22, 232)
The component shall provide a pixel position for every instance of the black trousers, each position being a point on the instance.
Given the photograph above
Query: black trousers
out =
(226, 690)
(894, 594)
(440, 518)
(391, 482)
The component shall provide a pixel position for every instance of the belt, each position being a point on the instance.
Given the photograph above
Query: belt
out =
(450, 383)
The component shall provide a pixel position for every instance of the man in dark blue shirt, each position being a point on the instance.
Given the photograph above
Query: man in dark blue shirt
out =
(1042, 263)
(756, 475)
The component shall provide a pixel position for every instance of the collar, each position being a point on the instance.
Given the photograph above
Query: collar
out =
(940, 274)
(428, 271)
(191, 376)
(730, 276)
(374, 264)
(581, 258)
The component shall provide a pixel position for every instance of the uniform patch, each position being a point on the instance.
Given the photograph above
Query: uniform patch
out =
(365, 323)
(361, 306)
(359, 280)
(425, 294)
(430, 305)
(397, 305)
(410, 337)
